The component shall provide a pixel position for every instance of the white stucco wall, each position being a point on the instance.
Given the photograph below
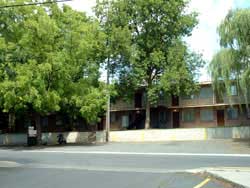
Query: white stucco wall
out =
(136, 135)
(158, 135)
(181, 134)
(13, 139)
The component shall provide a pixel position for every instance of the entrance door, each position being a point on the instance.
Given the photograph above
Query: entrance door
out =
(176, 119)
(138, 100)
(175, 100)
(220, 118)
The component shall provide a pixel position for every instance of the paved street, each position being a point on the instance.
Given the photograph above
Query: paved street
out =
(152, 165)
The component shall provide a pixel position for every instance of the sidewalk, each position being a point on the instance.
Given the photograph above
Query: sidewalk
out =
(237, 175)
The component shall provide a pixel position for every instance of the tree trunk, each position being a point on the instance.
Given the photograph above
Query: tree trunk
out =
(38, 128)
(147, 122)
(12, 120)
(92, 135)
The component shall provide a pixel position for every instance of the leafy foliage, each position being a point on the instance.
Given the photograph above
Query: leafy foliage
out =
(231, 64)
(149, 51)
(49, 61)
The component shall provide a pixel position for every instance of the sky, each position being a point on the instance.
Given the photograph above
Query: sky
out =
(204, 39)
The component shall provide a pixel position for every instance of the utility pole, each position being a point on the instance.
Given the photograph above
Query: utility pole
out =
(108, 104)
(108, 82)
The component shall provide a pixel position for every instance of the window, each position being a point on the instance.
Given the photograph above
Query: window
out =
(206, 115)
(188, 115)
(125, 121)
(233, 90)
(206, 92)
(232, 113)
(59, 121)
(27, 122)
(45, 121)
(161, 96)
(248, 112)
(188, 97)
(112, 117)
(162, 116)
(144, 98)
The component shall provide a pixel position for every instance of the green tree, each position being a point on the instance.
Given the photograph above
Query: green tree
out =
(231, 65)
(145, 46)
(53, 64)
(11, 31)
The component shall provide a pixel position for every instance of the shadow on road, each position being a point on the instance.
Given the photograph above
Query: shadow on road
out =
(25, 147)
(245, 142)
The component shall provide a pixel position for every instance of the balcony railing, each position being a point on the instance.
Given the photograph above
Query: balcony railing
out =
(197, 102)
(211, 101)
(122, 105)
(129, 105)
(234, 100)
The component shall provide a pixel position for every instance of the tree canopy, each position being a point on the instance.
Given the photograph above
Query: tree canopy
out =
(49, 61)
(231, 65)
(146, 47)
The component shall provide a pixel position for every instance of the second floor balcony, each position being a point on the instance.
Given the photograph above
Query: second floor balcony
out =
(204, 97)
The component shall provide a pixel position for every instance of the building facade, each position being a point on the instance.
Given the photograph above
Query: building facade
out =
(202, 109)
(55, 122)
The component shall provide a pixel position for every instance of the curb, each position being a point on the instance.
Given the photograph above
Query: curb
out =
(205, 172)
(221, 179)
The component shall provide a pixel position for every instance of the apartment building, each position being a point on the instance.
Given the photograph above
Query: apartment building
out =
(55, 122)
(202, 109)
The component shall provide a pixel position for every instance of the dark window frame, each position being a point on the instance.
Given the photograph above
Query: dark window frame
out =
(231, 118)
(201, 96)
(190, 111)
(236, 90)
(210, 120)
(189, 97)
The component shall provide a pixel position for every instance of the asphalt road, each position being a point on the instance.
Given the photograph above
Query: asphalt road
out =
(148, 165)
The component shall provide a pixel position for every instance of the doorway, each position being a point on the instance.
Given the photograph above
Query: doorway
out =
(220, 118)
(175, 100)
(138, 100)
(176, 119)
